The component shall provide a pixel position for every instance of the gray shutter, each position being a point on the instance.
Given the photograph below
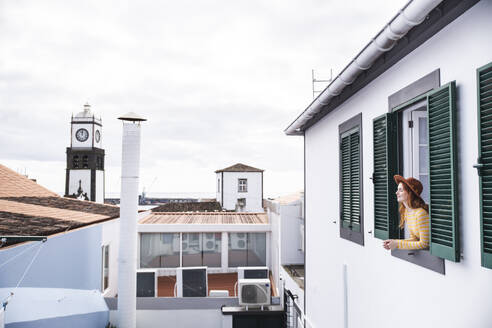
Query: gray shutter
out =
(350, 180)
(443, 178)
(484, 82)
(385, 167)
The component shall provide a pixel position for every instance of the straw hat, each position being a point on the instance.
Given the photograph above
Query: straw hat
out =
(413, 184)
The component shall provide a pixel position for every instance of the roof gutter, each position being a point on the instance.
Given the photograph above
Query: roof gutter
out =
(412, 14)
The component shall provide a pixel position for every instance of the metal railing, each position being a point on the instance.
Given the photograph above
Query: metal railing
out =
(294, 315)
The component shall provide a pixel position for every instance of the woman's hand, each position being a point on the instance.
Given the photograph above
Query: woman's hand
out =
(390, 244)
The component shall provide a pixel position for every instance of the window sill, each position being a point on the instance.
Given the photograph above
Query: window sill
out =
(422, 258)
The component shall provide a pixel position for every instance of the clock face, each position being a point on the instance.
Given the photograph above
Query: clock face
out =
(98, 136)
(82, 135)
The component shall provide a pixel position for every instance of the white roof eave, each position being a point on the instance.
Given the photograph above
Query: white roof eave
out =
(412, 14)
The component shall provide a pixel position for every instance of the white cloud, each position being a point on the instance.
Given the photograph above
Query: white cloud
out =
(218, 80)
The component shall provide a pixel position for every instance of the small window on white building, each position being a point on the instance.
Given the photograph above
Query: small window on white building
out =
(218, 185)
(105, 268)
(242, 185)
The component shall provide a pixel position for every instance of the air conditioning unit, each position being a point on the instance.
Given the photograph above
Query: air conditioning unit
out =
(252, 273)
(191, 282)
(239, 240)
(254, 292)
(209, 242)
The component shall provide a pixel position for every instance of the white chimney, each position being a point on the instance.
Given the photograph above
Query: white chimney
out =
(127, 260)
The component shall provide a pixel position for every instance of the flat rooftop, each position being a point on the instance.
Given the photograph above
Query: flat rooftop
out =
(296, 272)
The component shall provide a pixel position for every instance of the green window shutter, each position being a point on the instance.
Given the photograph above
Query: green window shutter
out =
(443, 183)
(484, 82)
(350, 180)
(385, 164)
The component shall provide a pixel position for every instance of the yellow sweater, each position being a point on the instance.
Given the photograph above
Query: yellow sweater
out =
(418, 224)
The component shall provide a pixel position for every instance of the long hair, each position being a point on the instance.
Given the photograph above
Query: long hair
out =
(413, 202)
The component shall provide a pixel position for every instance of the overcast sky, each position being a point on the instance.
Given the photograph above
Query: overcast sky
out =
(217, 80)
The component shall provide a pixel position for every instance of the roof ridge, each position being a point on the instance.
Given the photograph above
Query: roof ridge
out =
(240, 167)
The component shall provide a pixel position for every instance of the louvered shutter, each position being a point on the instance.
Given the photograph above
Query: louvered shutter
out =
(385, 163)
(443, 183)
(484, 82)
(350, 180)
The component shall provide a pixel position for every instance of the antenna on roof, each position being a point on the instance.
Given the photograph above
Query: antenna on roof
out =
(315, 80)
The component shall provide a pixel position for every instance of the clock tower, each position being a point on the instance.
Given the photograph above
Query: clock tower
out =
(85, 158)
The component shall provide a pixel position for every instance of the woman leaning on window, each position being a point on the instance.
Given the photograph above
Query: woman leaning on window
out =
(414, 211)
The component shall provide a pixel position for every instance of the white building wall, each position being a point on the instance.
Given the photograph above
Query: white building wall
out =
(253, 195)
(291, 233)
(384, 291)
(294, 288)
(110, 236)
(218, 187)
(177, 318)
(99, 186)
(82, 175)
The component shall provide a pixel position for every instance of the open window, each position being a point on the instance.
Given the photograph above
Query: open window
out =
(484, 162)
(105, 268)
(418, 138)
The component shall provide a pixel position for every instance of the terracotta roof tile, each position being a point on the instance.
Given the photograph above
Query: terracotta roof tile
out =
(189, 207)
(68, 204)
(50, 212)
(12, 184)
(27, 208)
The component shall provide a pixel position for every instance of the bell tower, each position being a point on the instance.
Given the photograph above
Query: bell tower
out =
(85, 158)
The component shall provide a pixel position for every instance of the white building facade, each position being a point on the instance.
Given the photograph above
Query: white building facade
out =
(240, 188)
(414, 112)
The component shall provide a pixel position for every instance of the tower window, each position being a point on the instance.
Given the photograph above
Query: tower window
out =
(75, 162)
(85, 161)
(99, 163)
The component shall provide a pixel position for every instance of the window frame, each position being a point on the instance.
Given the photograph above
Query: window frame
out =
(162, 236)
(248, 235)
(201, 238)
(242, 187)
(104, 259)
(398, 102)
(346, 233)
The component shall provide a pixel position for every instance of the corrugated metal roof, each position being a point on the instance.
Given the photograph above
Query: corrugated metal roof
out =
(205, 218)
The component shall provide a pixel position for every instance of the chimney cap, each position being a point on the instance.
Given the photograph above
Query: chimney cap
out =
(133, 117)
